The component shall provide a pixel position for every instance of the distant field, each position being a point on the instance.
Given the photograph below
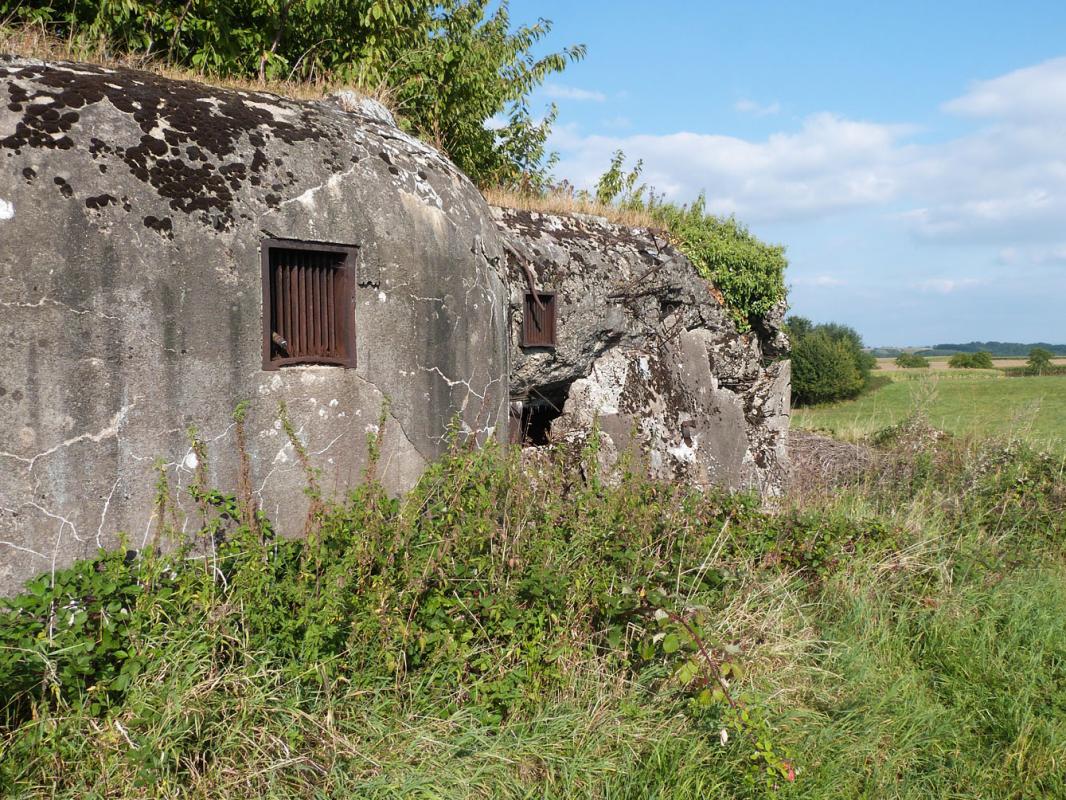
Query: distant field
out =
(964, 402)
(889, 364)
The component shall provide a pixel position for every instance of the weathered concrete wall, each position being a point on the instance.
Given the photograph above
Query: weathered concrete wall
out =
(647, 350)
(131, 212)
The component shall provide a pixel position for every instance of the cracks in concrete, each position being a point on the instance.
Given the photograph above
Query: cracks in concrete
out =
(14, 546)
(307, 197)
(454, 382)
(50, 301)
(103, 512)
(111, 431)
(56, 546)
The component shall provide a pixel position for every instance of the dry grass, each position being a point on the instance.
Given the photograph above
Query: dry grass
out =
(559, 203)
(35, 41)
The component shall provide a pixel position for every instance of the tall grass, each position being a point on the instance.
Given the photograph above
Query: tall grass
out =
(503, 631)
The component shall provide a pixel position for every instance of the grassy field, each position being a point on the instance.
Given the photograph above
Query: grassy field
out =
(517, 631)
(964, 402)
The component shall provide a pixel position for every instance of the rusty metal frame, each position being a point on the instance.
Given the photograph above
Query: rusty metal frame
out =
(346, 304)
(553, 305)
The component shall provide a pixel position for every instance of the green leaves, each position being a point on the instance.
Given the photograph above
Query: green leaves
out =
(829, 362)
(449, 68)
(750, 274)
(982, 359)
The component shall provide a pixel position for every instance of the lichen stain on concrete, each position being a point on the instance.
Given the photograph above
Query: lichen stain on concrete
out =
(644, 345)
(147, 283)
(140, 281)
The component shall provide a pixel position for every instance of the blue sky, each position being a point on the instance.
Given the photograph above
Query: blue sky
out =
(911, 156)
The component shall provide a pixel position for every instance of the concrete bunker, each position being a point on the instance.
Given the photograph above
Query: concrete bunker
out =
(645, 350)
(170, 250)
(139, 218)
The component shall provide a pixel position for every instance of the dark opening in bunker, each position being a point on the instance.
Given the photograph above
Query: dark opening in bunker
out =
(531, 427)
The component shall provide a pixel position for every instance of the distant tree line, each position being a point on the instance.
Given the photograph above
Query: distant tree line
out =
(829, 362)
(1015, 349)
(1011, 349)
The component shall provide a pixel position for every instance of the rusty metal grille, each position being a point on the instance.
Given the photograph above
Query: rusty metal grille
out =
(308, 304)
(539, 320)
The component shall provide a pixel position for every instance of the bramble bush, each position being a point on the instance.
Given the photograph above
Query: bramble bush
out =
(485, 583)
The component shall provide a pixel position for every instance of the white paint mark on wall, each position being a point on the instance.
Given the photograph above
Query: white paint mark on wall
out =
(285, 455)
(683, 453)
(191, 461)
(382, 297)
(7, 210)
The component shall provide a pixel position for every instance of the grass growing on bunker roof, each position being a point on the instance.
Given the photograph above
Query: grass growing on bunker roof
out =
(510, 631)
(569, 204)
(36, 42)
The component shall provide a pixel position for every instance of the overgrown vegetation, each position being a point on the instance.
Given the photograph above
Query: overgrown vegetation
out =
(455, 71)
(828, 362)
(510, 630)
(749, 273)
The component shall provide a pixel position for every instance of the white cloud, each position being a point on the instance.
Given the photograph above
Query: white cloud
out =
(821, 281)
(558, 91)
(746, 106)
(987, 217)
(946, 285)
(829, 164)
(1037, 92)
(1002, 183)
(1054, 255)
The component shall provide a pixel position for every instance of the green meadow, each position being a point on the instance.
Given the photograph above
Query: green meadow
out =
(978, 403)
